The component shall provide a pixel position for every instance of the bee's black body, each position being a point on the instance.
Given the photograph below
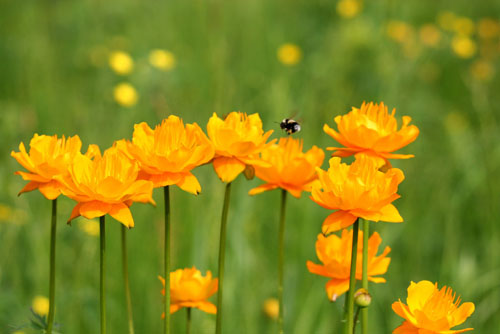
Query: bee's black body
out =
(290, 126)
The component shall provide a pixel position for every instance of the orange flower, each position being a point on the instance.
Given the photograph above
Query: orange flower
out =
(290, 168)
(238, 140)
(371, 130)
(335, 254)
(188, 288)
(357, 190)
(106, 184)
(167, 154)
(48, 158)
(431, 311)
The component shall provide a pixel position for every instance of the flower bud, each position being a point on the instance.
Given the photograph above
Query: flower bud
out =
(271, 308)
(362, 298)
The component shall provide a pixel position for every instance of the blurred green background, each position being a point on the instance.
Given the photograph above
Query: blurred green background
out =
(434, 61)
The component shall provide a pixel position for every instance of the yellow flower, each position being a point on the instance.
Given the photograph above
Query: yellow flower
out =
(121, 62)
(238, 139)
(162, 59)
(463, 46)
(488, 28)
(106, 184)
(348, 8)
(271, 308)
(431, 310)
(357, 190)
(125, 94)
(167, 154)
(289, 54)
(189, 288)
(399, 31)
(290, 168)
(40, 305)
(48, 159)
(372, 130)
(335, 254)
(430, 35)
(91, 227)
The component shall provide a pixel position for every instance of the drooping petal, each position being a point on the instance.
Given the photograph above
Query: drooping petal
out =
(190, 184)
(29, 187)
(122, 213)
(94, 209)
(228, 168)
(336, 288)
(337, 221)
(262, 188)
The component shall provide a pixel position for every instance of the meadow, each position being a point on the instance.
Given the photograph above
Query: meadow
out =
(435, 61)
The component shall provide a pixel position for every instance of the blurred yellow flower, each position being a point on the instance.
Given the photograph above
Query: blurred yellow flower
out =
(431, 310)
(121, 62)
(40, 305)
(91, 227)
(399, 31)
(482, 70)
(348, 8)
(125, 94)
(271, 308)
(430, 35)
(5, 212)
(289, 54)
(446, 20)
(463, 46)
(463, 26)
(488, 28)
(162, 59)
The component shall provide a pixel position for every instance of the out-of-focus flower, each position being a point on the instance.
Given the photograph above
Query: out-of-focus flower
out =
(238, 139)
(91, 227)
(431, 310)
(372, 130)
(348, 8)
(48, 158)
(125, 94)
(463, 26)
(167, 154)
(488, 28)
(335, 254)
(290, 168)
(430, 35)
(121, 62)
(189, 288)
(106, 184)
(162, 59)
(463, 46)
(357, 190)
(271, 308)
(482, 70)
(289, 54)
(40, 305)
(5, 212)
(446, 20)
(399, 31)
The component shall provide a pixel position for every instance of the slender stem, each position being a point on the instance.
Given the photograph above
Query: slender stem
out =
(356, 319)
(52, 277)
(281, 260)
(188, 320)
(364, 281)
(349, 311)
(102, 230)
(167, 259)
(126, 280)
(222, 251)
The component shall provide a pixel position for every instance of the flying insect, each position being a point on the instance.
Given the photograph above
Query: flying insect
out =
(290, 126)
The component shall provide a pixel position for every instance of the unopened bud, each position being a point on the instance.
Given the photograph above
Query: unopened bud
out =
(362, 298)
(249, 172)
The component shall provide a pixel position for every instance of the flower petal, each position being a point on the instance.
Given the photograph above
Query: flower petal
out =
(122, 213)
(338, 220)
(94, 209)
(228, 168)
(262, 188)
(336, 288)
(190, 184)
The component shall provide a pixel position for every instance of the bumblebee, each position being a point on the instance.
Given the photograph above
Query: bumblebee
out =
(290, 126)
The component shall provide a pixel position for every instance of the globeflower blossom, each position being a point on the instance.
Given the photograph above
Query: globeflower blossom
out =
(373, 131)
(238, 140)
(431, 310)
(106, 184)
(358, 190)
(48, 159)
(289, 168)
(189, 288)
(335, 254)
(167, 154)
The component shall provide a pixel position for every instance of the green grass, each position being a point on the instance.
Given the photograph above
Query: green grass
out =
(226, 60)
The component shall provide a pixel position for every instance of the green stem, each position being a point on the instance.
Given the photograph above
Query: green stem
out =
(126, 280)
(188, 320)
(52, 277)
(349, 311)
(102, 234)
(222, 251)
(281, 260)
(167, 259)
(364, 281)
